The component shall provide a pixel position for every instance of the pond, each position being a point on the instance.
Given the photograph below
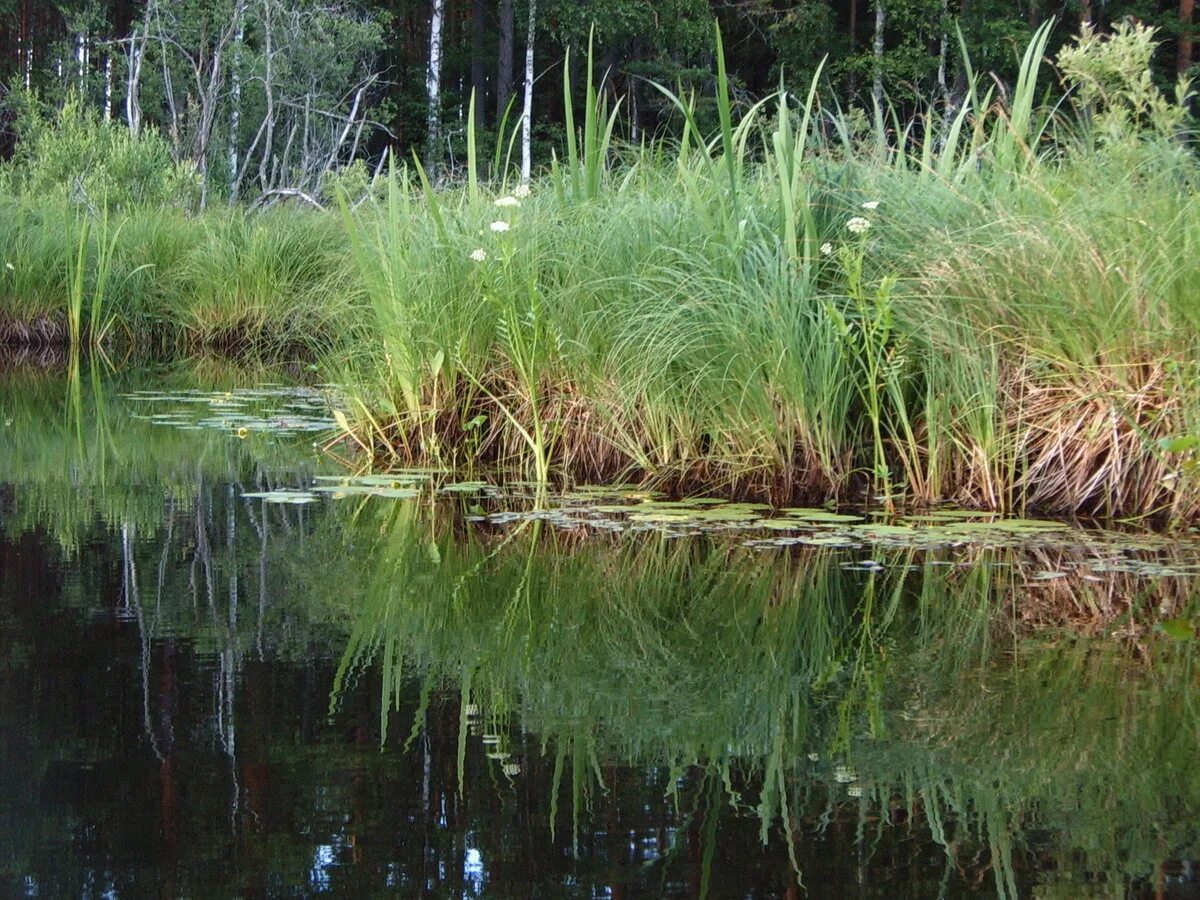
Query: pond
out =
(229, 669)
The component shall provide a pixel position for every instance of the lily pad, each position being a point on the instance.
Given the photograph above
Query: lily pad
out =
(282, 496)
(820, 515)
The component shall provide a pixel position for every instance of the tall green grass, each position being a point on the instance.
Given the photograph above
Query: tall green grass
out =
(1003, 331)
(151, 278)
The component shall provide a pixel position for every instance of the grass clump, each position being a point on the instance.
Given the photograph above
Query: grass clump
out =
(159, 278)
(966, 311)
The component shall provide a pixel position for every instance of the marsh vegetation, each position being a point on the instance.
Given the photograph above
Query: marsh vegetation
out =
(801, 305)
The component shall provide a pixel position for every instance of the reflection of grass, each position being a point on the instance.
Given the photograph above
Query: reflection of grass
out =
(77, 451)
(701, 658)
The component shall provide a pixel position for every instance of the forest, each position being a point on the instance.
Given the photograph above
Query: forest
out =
(263, 96)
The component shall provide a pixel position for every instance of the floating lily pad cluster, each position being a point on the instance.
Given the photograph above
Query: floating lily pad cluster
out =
(409, 484)
(267, 409)
(627, 508)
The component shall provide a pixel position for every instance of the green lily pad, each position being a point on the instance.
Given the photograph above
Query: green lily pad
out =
(820, 515)
(282, 496)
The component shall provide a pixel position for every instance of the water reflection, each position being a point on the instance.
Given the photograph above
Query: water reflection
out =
(208, 695)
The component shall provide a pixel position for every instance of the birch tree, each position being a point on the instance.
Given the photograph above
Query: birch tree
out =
(527, 112)
(433, 118)
(877, 49)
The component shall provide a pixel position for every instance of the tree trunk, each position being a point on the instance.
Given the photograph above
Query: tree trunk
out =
(1183, 58)
(478, 72)
(137, 53)
(433, 118)
(851, 81)
(943, 41)
(235, 91)
(877, 85)
(504, 64)
(527, 115)
(108, 86)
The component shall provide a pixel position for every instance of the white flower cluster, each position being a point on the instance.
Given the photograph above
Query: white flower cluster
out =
(479, 255)
(826, 248)
(521, 190)
(871, 204)
(507, 201)
(858, 225)
(499, 226)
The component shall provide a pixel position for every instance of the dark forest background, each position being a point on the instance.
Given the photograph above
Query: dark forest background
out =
(262, 93)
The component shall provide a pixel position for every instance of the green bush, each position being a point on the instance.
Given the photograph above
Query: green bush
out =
(73, 153)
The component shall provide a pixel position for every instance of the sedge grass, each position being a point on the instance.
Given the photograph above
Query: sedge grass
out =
(1004, 332)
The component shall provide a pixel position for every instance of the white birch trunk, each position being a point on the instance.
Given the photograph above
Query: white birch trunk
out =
(433, 86)
(133, 77)
(108, 87)
(235, 91)
(527, 113)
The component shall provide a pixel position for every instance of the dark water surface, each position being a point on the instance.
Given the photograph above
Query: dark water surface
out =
(204, 694)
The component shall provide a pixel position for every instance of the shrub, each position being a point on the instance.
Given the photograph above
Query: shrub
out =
(73, 153)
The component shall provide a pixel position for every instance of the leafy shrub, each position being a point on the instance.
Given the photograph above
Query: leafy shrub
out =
(74, 153)
(1112, 83)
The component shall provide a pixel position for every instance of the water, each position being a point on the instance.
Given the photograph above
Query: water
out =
(209, 694)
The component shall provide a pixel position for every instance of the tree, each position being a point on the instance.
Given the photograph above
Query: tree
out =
(504, 64)
(1183, 56)
(527, 111)
(433, 119)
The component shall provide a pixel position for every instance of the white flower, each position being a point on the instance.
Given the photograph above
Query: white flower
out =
(479, 255)
(871, 204)
(499, 226)
(507, 201)
(854, 791)
(826, 248)
(521, 190)
(857, 225)
(844, 775)
(10, 267)
(512, 770)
